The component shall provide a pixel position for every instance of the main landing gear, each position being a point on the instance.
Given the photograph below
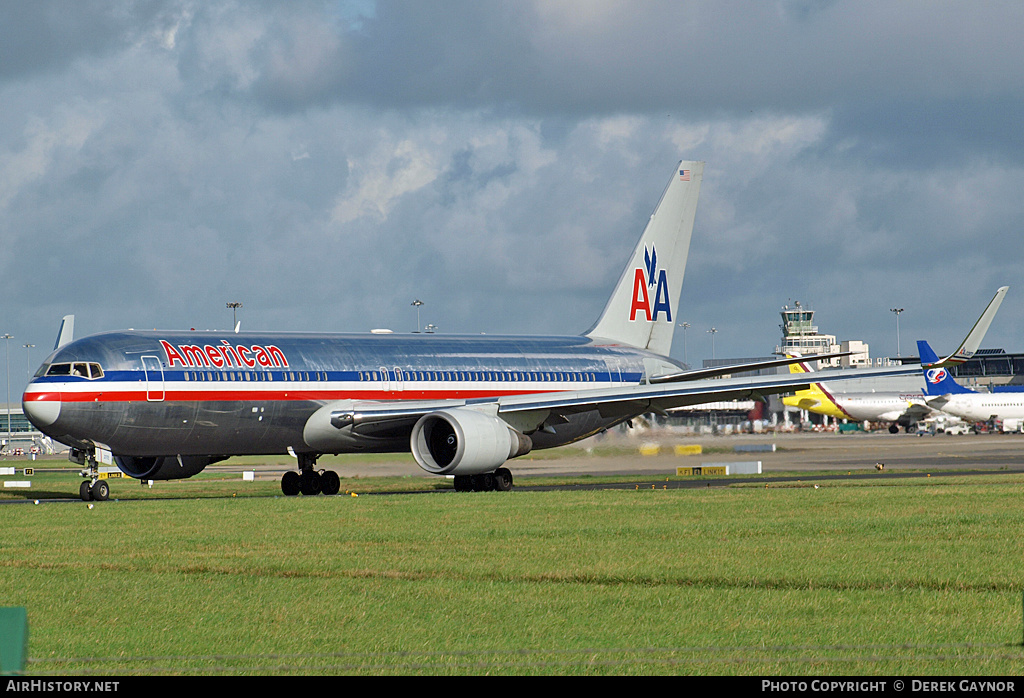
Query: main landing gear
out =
(498, 481)
(308, 481)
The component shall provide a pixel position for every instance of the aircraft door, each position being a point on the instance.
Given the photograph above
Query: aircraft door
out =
(399, 382)
(154, 378)
(614, 372)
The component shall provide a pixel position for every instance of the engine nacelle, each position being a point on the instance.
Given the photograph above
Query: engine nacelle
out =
(163, 467)
(462, 441)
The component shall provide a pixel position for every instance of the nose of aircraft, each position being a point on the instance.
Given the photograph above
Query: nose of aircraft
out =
(42, 411)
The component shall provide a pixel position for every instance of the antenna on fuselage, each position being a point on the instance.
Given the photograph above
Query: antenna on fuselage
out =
(66, 333)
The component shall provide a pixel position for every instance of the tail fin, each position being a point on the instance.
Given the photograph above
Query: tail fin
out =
(640, 311)
(66, 333)
(802, 367)
(937, 381)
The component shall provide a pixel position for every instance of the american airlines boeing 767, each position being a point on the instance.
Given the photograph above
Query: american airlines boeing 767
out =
(165, 404)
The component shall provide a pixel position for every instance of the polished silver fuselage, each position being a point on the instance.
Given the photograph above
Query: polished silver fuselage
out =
(221, 393)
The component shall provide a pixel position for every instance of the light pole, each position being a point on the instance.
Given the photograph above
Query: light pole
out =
(897, 311)
(713, 331)
(417, 303)
(234, 310)
(685, 326)
(7, 337)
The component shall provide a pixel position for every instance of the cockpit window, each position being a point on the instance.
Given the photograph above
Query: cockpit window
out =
(81, 369)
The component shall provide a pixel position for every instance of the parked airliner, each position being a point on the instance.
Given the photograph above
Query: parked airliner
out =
(165, 404)
(897, 408)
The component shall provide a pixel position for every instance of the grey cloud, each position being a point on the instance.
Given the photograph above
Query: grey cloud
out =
(47, 35)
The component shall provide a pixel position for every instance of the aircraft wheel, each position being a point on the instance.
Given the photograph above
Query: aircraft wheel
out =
(484, 482)
(309, 482)
(503, 479)
(894, 429)
(291, 483)
(330, 483)
(463, 483)
(84, 491)
(100, 490)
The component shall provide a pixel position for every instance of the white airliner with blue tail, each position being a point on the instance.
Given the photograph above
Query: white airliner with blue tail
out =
(165, 404)
(944, 393)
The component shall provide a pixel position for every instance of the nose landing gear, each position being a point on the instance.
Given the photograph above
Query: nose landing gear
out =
(92, 488)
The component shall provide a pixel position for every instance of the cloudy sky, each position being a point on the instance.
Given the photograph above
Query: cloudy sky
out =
(326, 163)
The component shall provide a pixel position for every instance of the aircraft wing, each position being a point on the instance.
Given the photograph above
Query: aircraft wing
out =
(660, 397)
(918, 411)
(546, 410)
(699, 373)
(973, 339)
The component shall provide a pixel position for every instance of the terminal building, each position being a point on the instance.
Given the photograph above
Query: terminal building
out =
(19, 437)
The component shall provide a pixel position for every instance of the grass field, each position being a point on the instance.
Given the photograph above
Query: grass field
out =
(919, 577)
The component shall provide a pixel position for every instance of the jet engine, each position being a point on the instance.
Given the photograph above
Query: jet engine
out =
(163, 467)
(462, 441)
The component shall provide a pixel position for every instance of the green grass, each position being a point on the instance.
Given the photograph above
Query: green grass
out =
(923, 579)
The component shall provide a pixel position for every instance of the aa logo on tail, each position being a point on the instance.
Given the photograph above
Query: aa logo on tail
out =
(647, 277)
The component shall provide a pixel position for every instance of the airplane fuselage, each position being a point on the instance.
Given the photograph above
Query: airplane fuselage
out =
(876, 407)
(221, 393)
(976, 407)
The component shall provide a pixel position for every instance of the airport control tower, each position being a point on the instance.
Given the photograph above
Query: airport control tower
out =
(800, 335)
